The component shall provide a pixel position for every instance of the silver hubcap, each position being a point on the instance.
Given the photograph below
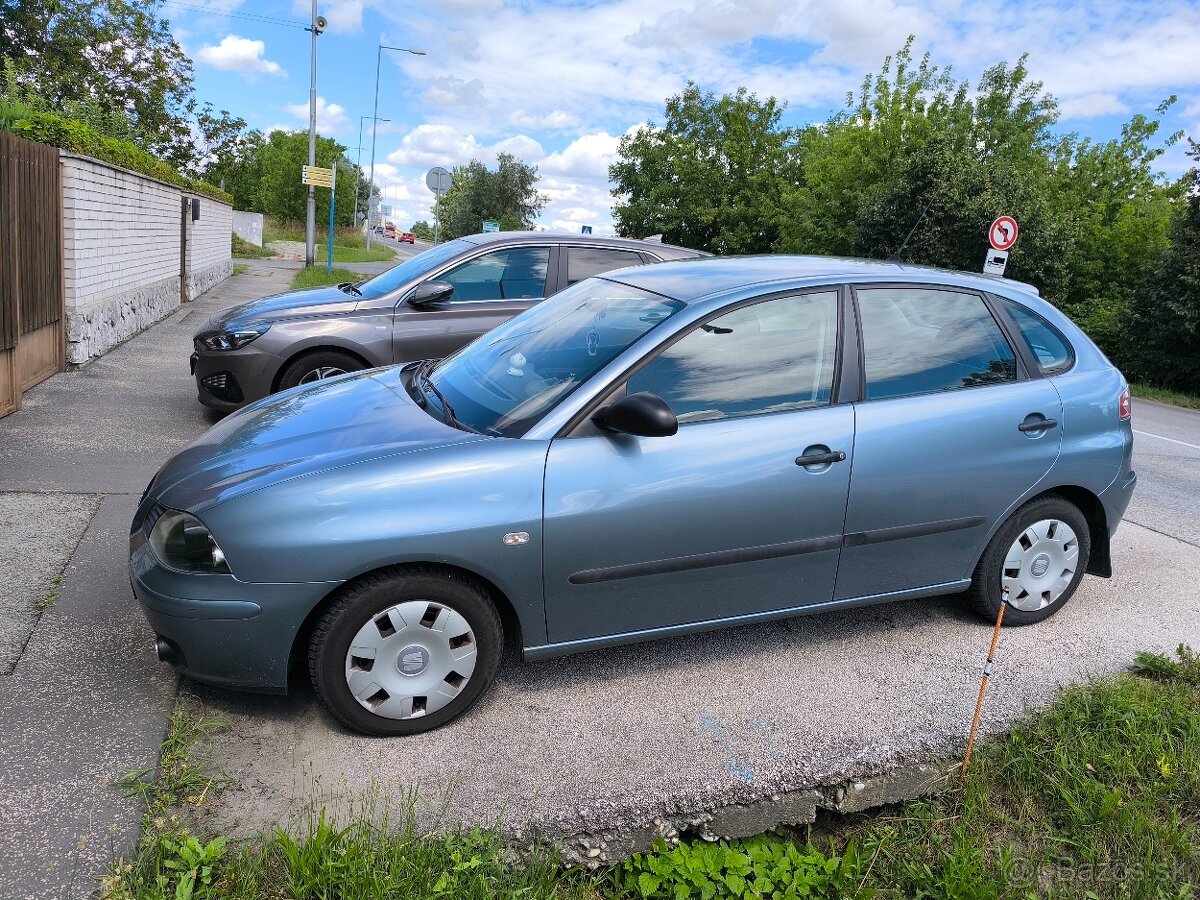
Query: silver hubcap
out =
(1040, 564)
(410, 660)
(321, 372)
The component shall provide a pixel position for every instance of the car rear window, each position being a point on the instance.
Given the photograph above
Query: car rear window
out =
(1051, 350)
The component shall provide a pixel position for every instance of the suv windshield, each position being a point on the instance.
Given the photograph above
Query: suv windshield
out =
(506, 380)
(413, 267)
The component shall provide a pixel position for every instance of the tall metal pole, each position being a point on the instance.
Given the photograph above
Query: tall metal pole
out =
(374, 124)
(374, 116)
(310, 231)
(358, 172)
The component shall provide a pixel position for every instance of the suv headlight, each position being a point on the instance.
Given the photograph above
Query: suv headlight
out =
(182, 541)
(230, 340)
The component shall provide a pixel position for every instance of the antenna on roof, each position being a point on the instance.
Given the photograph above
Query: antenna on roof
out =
(895, 257)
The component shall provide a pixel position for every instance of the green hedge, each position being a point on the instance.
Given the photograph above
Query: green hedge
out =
(77, 137)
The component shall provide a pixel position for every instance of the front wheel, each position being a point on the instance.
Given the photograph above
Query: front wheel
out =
(1039, 555)
(318, 366)
(405, 651)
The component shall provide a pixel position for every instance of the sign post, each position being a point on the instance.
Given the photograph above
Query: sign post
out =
(1002, 235)
(489, 227)
(332, 193)
(438, 181)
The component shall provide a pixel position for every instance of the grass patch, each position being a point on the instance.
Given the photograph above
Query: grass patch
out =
(246, 250)
(47, 599)
(1096, 797)
(342, 254)
(1162, 395)
(317, 276)
(240, 269)
(277, 230)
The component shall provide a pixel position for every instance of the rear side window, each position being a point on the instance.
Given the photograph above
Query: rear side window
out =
(584, 262)
(1051, 350)
(922, 340)
(516, 274)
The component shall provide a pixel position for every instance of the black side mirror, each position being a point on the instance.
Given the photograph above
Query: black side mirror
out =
(430, 292)
(643, 414)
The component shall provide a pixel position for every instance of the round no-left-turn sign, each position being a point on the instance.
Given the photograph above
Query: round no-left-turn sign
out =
(1003, 233)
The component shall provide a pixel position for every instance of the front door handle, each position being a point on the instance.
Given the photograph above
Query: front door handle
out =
(1043, 425)
(821, 459)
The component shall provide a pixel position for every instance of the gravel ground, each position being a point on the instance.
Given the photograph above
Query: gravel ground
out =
(38, 533)
(612, 739)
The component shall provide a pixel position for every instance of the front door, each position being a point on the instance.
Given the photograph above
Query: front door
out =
(721, 519)
(488, 290)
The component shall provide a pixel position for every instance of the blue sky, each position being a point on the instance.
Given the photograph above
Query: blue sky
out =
(558, 83)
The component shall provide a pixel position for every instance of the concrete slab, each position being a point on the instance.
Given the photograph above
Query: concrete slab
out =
(38, 534)
(86, 703)
(608, 742)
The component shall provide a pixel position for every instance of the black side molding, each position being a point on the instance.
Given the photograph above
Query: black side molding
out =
(901, 532)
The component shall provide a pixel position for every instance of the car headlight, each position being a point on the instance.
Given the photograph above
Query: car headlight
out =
(230, 340)
(182, 541)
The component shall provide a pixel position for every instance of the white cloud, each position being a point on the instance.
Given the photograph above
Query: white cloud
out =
(1090, 106)
(445, 145)
(586, 157)
(239, 54)
(330, 116)
(555, 120)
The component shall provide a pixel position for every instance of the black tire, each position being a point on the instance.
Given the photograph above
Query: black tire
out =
(367, 600)
(986, 587)
(305, 369)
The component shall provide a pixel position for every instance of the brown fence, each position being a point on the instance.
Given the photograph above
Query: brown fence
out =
(31, 288)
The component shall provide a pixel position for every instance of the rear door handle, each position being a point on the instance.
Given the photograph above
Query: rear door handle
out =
(1043, 425)
(821, 459)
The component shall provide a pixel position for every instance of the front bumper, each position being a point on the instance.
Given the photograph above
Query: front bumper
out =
(249, 374)
(226, 632)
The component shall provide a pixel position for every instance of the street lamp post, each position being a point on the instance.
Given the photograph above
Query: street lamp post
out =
(375, 115)
(358, 171)
(316, 26)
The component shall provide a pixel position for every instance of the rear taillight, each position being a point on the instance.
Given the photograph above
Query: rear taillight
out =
(1123, 405)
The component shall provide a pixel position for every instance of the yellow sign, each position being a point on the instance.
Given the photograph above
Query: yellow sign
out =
(317, 176)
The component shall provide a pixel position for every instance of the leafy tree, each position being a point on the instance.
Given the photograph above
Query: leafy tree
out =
(422, 230)
(1165, 316)
(109, 54)
(507, 194)
(281, 158)
(711, 176)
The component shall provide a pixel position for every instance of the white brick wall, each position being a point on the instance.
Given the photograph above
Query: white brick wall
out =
(121, 249)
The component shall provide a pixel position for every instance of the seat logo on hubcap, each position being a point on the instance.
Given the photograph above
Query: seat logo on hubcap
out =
(413, 660)
(1040, 565)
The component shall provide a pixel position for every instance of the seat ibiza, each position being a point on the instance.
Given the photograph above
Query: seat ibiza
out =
(655, 451)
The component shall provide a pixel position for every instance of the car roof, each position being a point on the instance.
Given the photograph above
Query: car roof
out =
(670, 251)
(694, 279)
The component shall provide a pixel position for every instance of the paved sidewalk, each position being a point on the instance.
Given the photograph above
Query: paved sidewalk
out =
(86, 700)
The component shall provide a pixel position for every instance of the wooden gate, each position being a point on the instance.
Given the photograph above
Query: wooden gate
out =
(32, 343)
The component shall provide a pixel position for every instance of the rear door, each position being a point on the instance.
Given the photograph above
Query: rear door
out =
(489, 289)
(948, 436)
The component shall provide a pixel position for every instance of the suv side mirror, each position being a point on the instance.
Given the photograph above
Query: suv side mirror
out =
(430, 292)
(643, 414)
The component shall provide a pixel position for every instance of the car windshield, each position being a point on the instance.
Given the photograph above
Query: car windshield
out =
(509, 378)
(413, 267)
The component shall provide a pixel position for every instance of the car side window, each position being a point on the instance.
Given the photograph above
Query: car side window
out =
(515, 274)
(1049, 348)
(768, 357)
(921, 340)
(584, 262)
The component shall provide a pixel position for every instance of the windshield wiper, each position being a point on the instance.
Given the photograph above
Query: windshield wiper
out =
(448, 415)
(350, 287)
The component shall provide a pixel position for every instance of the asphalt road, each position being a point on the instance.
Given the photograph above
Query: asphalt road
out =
(1167, 459)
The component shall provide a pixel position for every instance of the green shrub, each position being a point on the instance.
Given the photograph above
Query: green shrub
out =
(761, 867)
(78, 137)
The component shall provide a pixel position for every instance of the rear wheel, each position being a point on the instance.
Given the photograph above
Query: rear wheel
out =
(1039, 555)
(317, 366)
(406, 651)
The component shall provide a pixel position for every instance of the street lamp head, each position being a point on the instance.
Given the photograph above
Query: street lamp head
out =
(402, 50)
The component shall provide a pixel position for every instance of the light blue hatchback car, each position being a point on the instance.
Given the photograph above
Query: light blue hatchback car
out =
(659, 450)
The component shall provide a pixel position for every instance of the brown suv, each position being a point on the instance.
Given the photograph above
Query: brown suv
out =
(425, 308)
